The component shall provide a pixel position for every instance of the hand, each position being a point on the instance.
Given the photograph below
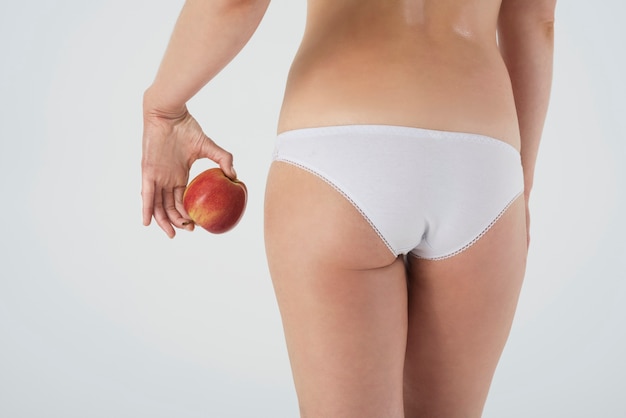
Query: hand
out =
(171, 143)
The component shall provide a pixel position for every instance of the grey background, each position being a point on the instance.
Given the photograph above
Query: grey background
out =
(101, 317)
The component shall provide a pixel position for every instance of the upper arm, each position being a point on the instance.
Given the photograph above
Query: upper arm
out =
(516, 12)
(525, 22)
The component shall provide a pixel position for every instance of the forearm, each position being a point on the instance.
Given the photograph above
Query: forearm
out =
(526, 39)
(207, 36)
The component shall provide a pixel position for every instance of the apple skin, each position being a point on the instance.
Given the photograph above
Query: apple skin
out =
(214, 201)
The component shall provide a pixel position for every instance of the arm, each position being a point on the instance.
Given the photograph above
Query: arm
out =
(526, 40)
(207, 36)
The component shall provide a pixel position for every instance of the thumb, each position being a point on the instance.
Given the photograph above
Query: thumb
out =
(219, 155)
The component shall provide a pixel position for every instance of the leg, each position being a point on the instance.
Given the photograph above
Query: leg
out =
(460, 314)
(342, 297)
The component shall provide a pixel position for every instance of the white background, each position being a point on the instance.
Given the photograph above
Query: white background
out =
(102, 317)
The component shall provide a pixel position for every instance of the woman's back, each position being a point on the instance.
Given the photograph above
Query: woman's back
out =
(424, 63)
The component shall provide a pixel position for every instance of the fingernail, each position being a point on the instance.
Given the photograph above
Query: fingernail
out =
(188, 225)
(233, 171)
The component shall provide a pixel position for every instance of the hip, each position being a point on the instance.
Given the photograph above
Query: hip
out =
(431, 193)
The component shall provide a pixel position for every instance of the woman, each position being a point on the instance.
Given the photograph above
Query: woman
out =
(396, 215)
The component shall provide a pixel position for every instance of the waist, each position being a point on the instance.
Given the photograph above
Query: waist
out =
(461, 87)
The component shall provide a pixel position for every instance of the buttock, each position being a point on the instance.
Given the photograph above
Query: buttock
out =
(426, 192)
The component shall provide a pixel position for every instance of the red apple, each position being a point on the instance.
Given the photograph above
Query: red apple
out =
(214, 201)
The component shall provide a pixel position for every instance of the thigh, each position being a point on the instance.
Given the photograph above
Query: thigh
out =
(342, 297)
(460, 314)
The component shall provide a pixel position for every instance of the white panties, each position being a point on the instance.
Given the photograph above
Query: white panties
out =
(429, 193)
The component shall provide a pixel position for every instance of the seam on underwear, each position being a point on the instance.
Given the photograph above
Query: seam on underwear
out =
(398, 130)
(472, 242)
(334, 186)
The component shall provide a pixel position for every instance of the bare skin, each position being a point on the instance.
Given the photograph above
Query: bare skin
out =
(362, 343)
(370, 334)
(411, 63)
(426, 64)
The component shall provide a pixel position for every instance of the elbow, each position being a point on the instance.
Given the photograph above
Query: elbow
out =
(544, 14)
(544, 17)
(543, 25)
(548, 28)
(250, 11)
(243, 4)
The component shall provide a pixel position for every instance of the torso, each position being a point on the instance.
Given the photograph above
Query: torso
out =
(423, 63)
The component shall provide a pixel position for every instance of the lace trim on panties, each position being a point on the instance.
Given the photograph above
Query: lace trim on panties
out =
(334, 186)
(472, 242)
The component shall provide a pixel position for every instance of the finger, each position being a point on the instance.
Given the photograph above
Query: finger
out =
(180, 207)
(147, 198)
(160, 216)
(218, 154)
(174, 217)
